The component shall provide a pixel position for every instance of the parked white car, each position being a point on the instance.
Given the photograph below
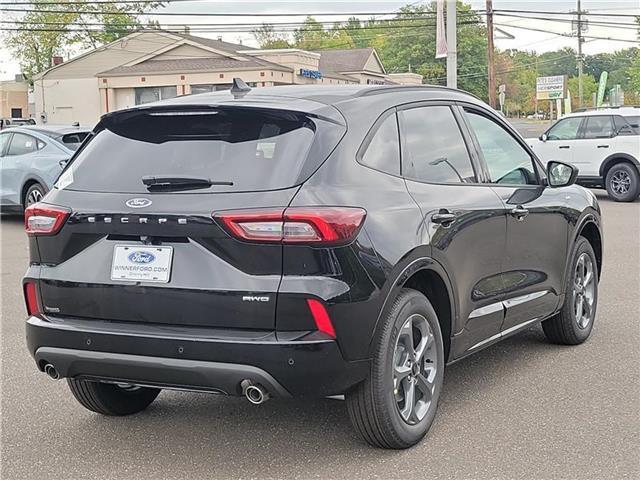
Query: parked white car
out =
(605, 146)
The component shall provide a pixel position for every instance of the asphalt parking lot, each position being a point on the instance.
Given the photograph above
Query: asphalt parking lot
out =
(521, 409)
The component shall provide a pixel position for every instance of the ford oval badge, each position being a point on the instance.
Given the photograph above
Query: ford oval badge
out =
(141, 257)
(138, 202)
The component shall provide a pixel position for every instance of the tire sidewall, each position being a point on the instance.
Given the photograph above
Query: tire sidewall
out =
(634, 190)
(412, 302)
(582, 246)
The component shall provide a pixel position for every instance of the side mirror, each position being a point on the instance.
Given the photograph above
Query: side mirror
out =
(561, 174)
(544, 137)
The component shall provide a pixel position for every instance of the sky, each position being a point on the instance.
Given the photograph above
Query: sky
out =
(526, 40)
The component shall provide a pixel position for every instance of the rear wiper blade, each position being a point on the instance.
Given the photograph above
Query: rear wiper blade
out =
(173, 182)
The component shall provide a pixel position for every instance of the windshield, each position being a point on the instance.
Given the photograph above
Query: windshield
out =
(246, 149)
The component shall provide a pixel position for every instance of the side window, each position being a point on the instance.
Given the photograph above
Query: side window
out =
(508, 162)
(622, 127)
(383, 151)
(598, 127)
(434, 150)
(566, 129)
(4, 140)
(22, 144)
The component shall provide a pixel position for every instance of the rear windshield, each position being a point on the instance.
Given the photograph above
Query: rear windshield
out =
(246, 149)
(73, 140)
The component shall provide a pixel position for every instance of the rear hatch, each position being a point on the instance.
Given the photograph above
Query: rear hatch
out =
(141, 243)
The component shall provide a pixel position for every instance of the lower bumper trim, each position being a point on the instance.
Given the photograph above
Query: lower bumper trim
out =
(157, 371)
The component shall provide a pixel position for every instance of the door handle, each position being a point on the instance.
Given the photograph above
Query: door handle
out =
(444, 217)
(519, 212)
(564, 147)
(603, 146)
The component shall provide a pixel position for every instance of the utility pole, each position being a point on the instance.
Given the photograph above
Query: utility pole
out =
(490, 49)
(452, 51)
(580, 65)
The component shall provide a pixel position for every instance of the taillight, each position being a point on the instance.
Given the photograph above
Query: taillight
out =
(314, 225)
(321, 317)
(43, 219)
(31, 298)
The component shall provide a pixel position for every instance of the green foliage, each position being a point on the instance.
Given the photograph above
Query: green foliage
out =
(313, 36)
(589, 87)
(266, 37)
(48, 34)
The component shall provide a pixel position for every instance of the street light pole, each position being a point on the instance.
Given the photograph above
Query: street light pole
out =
(490, 50)
(452, 52)
(580, 40)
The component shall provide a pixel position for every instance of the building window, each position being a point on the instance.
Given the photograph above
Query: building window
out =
(153, 94)
(211, 87)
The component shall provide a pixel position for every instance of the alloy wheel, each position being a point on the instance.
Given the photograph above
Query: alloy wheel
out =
(620, 182)
(414, 369)
(584, 286)
(34, 196)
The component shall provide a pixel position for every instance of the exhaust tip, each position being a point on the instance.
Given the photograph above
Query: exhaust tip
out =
(255, 393)
(51, 371)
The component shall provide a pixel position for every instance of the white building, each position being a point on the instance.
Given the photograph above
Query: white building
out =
(152, 65)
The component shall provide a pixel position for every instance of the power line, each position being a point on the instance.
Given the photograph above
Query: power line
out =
(565, 34)
(546, 12)
(621, 25)
(224, 14)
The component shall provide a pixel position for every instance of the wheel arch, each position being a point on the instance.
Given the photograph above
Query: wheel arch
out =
(615, 158)
(428, 277)
(591, 232)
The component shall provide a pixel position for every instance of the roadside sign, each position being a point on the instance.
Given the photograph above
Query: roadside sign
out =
(551, 88)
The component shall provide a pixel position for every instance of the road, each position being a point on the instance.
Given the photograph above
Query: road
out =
(521, 409)
(530, 128)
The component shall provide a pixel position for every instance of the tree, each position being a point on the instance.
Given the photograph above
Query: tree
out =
(589, 87)
(313, 36)
(266, 37)
(46, 34)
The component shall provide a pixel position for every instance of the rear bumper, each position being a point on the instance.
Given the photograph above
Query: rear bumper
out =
(300, 364)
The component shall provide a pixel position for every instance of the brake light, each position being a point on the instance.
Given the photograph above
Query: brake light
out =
(31, 298)
(315, 225)
(321, 317)
(44, 219)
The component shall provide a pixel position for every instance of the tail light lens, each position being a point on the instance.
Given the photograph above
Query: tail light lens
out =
(310, 225)
(31, 298)
(43, 219)
(321, 317)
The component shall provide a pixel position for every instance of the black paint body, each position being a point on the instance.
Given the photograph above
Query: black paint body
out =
(493, 271)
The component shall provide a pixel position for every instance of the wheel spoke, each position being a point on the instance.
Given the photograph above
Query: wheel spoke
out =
(579, 308)
(425, 342)
(406, 335)
(425, 387)
(588, 276)
(409, 399)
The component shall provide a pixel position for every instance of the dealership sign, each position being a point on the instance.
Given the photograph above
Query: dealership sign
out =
(551, 88)
(304, 72)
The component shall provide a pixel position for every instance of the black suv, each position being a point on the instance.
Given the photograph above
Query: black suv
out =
(304, 241)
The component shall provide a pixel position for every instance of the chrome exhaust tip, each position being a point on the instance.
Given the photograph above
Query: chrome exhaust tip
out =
(255, 393)
(51, 371)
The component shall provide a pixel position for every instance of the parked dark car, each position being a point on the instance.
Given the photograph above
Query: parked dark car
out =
(304, 241)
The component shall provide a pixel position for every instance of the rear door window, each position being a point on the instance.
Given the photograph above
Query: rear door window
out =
(253, 149)
(22, 144)
(598, 127)
(434, 150)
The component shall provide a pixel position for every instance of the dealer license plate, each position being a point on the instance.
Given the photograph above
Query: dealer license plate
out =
(141, 263)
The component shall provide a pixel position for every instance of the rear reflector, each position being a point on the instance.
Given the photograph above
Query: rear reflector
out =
(321, 317)
(31, 298)
(44, 219)
(314, 225)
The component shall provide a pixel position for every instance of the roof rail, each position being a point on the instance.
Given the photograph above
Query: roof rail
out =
(426, 86)
(613, 107)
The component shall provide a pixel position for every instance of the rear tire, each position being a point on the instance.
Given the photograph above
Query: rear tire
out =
(111, 399)
(573, 324)
(623, 182)
(408, 357)
(34, 194)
